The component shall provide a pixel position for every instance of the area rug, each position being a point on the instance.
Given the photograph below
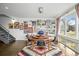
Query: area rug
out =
(22, 53)
(40, 50)
(27, 51)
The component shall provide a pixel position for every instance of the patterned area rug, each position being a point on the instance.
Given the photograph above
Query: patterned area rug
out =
(37, 51)
(41, 50)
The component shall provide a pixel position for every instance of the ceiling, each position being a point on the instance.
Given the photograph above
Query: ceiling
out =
(30, 10)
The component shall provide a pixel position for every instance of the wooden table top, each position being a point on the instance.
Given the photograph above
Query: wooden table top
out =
(37, 37)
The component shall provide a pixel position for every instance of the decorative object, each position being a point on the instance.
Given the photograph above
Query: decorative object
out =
(40, 32)
(21, 26)
(39, 22)
(25, 27)
(40, 10)
(33, 23)
(16, 25)
(28, 28)
(43, 22)
(10, 25)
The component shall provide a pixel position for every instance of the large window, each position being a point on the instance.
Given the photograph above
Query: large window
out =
(68, 25)
(69, 34)
(71, 26)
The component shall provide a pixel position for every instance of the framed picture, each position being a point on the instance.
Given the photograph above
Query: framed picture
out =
(43, 22)
(16, 25)
(10, 25)
(25, 27)
(34, 23)
(21, 26)
(38, 22)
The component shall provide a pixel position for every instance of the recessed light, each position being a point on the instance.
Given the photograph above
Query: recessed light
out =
(6, 7)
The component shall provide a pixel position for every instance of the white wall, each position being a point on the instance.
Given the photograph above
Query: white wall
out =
(18, 34)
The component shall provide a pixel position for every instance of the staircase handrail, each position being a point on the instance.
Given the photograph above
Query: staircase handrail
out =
(4, 28)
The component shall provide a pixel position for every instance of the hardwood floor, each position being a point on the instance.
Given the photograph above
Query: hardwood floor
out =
(11, 49)
(15, 47)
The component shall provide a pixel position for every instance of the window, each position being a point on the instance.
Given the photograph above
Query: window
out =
(71, 26)
(62, 32)
(68, 25)
(70, 32)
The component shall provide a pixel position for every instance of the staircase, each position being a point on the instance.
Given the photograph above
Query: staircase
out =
(5, 36)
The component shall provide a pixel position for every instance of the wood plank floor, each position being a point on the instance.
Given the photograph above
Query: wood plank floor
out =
(11, 49)
(15, 47)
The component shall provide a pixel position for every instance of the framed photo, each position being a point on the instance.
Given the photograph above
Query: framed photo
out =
(25, 27)
(34, 23)
(21, 26)
(43, 22)
(38, 22)
(10, 25)
(16, 25)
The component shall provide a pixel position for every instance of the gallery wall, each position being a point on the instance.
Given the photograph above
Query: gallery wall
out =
(17, 33)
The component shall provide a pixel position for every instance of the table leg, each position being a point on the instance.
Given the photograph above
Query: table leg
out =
(32, 44)
(49, 45)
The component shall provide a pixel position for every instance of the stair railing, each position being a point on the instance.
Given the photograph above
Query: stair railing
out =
(4, 28)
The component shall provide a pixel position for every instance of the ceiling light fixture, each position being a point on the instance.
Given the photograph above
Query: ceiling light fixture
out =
(40, 9)
(13, 20)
